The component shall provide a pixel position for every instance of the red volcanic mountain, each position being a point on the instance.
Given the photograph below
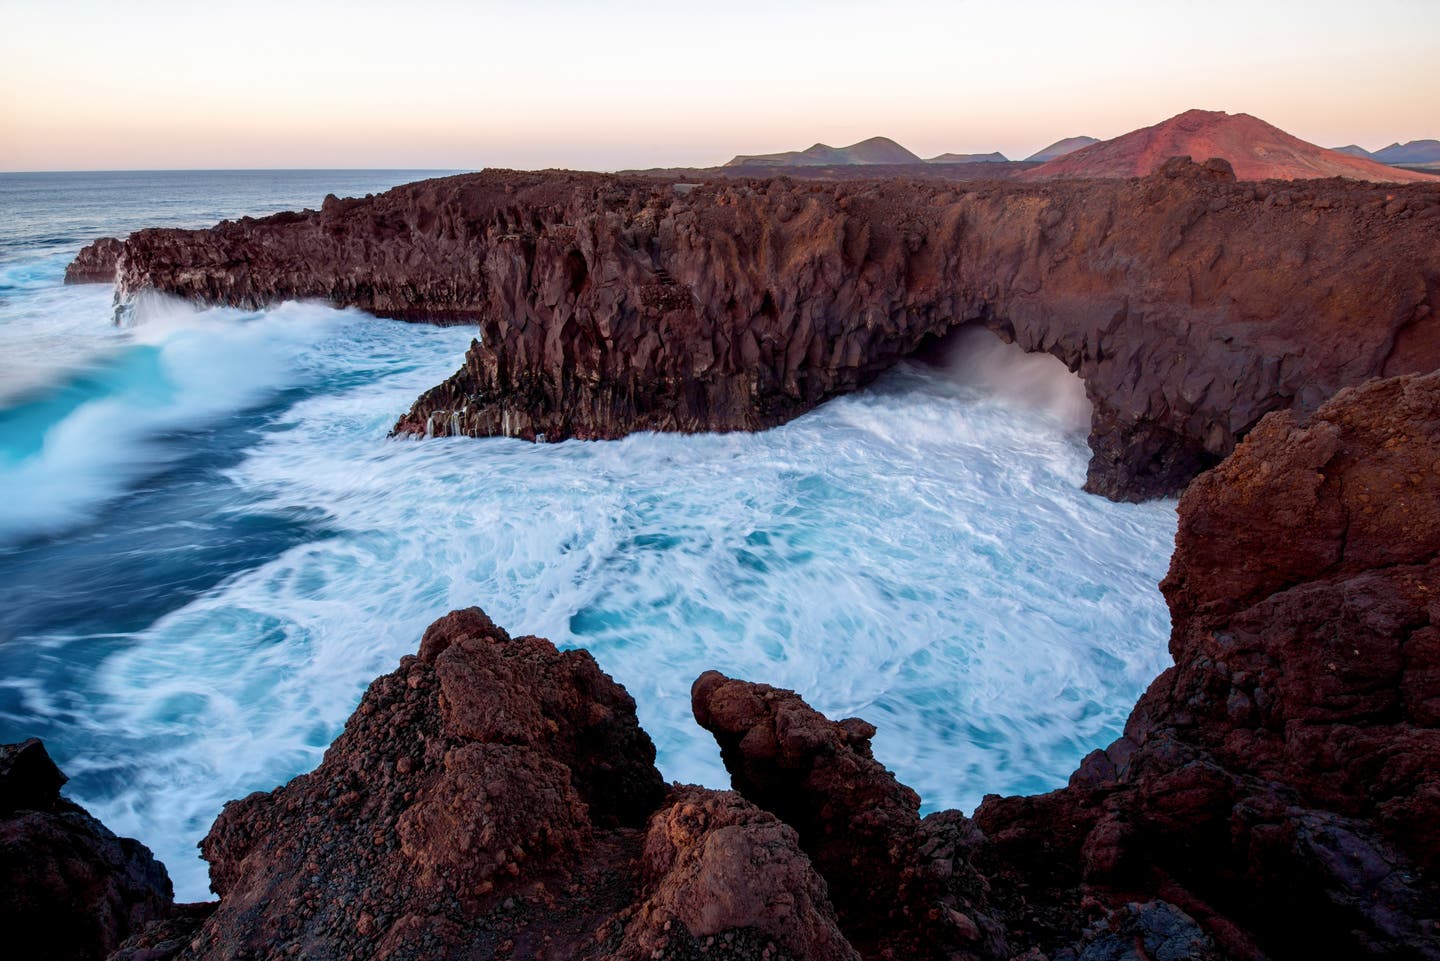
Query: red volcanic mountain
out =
(1253, 147)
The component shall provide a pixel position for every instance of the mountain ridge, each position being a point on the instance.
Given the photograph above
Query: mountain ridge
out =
(1256, 150)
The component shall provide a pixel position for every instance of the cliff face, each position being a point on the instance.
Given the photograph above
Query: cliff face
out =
(1280, 783)
(1190, 304)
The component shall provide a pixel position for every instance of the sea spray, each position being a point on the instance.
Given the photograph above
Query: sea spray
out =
(240, 551)
(919, 554)
(975, 357)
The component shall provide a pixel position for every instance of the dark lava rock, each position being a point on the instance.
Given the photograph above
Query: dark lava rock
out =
(96, 263)
(495, 797)
(1277, 788)
(1190, 304)
(858, 823)
(69, 888)
(1281, 783)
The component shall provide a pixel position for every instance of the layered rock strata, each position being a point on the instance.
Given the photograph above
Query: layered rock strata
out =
(1189, 303)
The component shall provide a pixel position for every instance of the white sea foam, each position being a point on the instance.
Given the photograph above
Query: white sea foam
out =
(47, 331)
(919, 554)
(86, 439)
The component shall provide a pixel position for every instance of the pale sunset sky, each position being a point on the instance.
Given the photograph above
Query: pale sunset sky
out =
(162, 84)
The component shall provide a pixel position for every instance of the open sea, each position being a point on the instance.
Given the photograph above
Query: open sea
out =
(208, 547)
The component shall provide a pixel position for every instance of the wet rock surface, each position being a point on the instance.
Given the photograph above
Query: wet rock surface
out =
(69, 888)
(1190, 304)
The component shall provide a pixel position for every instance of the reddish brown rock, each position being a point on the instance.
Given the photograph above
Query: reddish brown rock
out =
(96, 263)
(713, 862)
(1254, 149)
(1281, 782)
(495, 797)
(483, 786)
(1190, 304)
(861, 826)
(70, 890)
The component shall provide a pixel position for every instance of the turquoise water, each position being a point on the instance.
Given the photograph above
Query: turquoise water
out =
(208, 547)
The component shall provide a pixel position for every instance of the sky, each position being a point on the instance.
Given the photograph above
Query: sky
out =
(443, 84)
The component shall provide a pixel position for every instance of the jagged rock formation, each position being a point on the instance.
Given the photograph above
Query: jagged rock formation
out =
(495, 797)
(1275, 796)
(96, 263)
(70, 890)
(1190, 304)
(1276, 793)
(1255, 149)
(1281, 783)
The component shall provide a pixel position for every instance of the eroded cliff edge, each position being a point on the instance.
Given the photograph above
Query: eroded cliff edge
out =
(1189, 303)
(1276, 793)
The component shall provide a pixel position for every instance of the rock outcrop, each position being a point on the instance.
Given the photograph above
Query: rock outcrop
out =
(1275, 796)
(70, 890)
(1276, 793)
(95, 263)
(496, 797)
(1189, 303)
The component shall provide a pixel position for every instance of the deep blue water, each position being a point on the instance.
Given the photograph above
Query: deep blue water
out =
(208, 547)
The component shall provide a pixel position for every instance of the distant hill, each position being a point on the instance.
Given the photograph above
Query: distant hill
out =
(1060, 148)
(1354, 151)
(1414, 152)
(969, 158)
(1257, 151)
(876, 150)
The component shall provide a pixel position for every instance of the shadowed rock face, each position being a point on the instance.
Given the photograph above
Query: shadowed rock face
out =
(1281, 782)
(69, 888)
(1190, 304)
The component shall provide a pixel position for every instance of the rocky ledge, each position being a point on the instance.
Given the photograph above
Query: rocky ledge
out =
(1190, 304)
(70, 890)
(1276, 793)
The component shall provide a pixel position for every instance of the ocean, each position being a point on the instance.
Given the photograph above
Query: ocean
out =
(208, 546)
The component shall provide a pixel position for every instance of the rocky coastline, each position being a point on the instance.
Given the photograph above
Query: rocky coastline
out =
(1190, 304)
(1276, 793)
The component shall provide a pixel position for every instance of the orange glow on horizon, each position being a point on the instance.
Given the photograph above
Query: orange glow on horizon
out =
(646, 84)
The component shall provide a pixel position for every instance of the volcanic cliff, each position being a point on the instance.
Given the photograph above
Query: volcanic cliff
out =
(1190, 304)
(1275, 796)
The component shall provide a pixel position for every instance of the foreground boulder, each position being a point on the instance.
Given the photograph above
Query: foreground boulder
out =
(1189, 303)
(70, 890)
(1280, 782)
(496, 797)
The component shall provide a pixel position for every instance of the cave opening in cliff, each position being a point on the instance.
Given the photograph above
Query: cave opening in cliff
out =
(975, 357)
